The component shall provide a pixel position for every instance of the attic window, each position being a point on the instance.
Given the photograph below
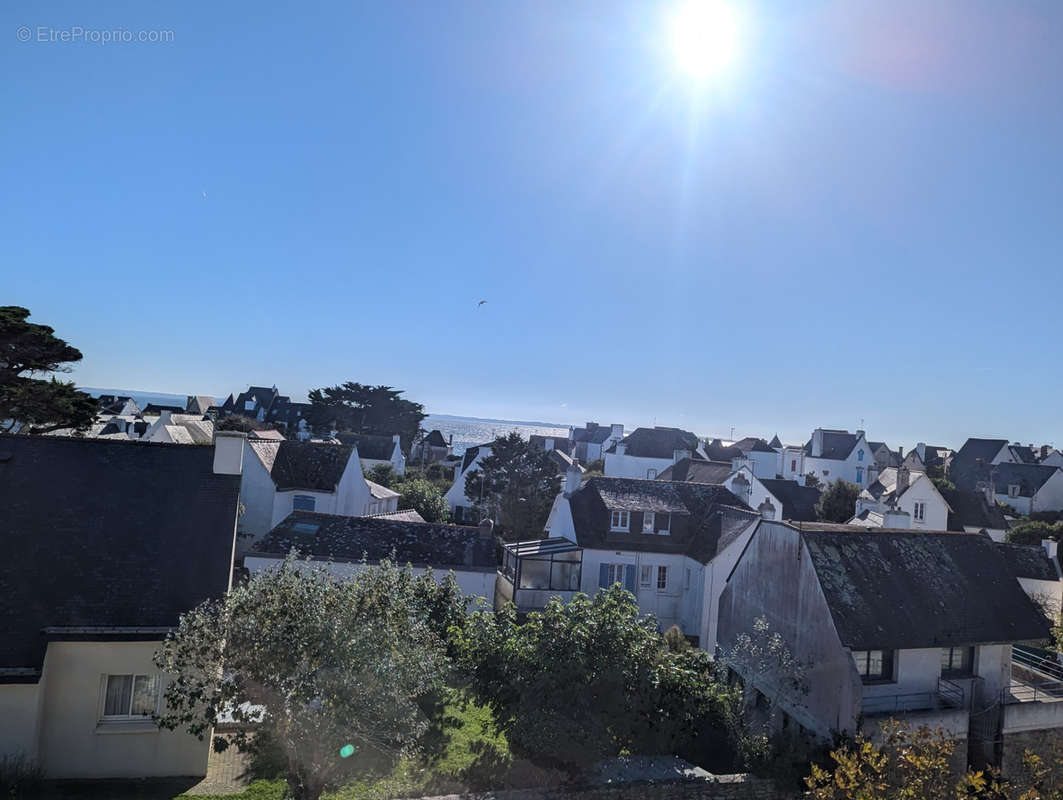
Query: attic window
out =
(619, 521)
(303, 502)
(1013, 490)
(305, 527)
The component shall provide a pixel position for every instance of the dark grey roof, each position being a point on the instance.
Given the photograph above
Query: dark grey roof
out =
(687, 469)
(1024, 453)
(1028, 561)
(837, 445)
(718, 451)
(775, 442)
(969, 508)
(592, 434)
(560, 443)
(376, 538)
(118, 404)
(105, 533)
(971, 462)
(154, 408)
(798, 502)
(658, 442)
(200, 403)
(911, 589)
(435, 439)
(470, 455)
(754, 445)
(1028, 477)
(303, 465)
(700, 507)
(371, 446)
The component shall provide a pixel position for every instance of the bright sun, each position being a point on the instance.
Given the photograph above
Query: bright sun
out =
(704, 37)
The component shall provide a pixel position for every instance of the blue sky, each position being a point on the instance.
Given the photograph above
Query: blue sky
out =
(863, 222)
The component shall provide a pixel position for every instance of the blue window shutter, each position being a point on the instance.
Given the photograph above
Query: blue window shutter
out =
(629, 578)
(603, 576)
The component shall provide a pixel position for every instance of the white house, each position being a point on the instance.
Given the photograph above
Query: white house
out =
(382, 500)
(180, 429)
(646, 452)
(669, 543)
(281, 477)
(763, 460)
(463, 508)
(376, 450)
(343, 543)
(1028, 487)
(591, 442)
(773, 498)
(835, 454)
(912, 493)
(915, 625)
(975, 512)
(106, 544)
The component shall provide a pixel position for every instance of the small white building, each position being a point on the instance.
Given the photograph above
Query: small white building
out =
(343, 544)
(463, 508)
(763, 460)
(282, 477)
(591, 442)
(647, 452)
(836, 454)
(913, 493)
(377, 450)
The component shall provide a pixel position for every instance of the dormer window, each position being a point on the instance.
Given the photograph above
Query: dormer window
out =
(620, 521)
(1013, 490)
(303, 502)
(648, 520)
(859, 455)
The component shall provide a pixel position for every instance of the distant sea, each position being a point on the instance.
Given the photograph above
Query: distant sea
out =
(467, 431)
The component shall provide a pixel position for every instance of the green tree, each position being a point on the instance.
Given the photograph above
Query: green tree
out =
(384, 474)
(838, 502)
(936, 473)
(1034, 532)
(338, 672)
(238, 422)
(590, 679)
(813, 482)
(27, 350)
(423, 497)
(379, 410)
(516, 486)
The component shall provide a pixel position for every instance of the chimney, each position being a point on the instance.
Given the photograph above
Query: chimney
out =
(396, 438)
(900, 453)
(573, 478)
(486, 528)
(164, 417)
(229, 452)
(859, 433)
(548, 444)
(990, 494)
(616, 431)
(621, 449)
(903, 476)
(817, 443)
(1051, 548)
(920, 449)
(895, 518)
(679, 455)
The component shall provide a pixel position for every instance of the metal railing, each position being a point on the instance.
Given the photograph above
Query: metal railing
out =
(1041, 661)
(1052, 691)
(952, 694)
(948, 695)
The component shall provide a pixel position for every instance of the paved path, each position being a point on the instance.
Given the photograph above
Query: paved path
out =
(226, 773)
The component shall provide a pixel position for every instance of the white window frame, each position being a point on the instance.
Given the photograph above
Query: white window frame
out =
(620, 521)
(616, 574)
(662, 576)
(646, 576)
(651, 474)
(919, 511)
(648, 521)
(105, 679)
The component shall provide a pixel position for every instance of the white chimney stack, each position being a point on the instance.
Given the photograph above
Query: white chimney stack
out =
(1051, 548)
(817, 443)
(895, 518)
(229, 452)
(573, 478)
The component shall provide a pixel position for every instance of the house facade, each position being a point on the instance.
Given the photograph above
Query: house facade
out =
(762, 459)
(669, 543)
(376, 450)
(107, 543)
(287, 476)
(591, 442)
(913, 625)
(913, 493)
(839, 455)
(463, 509)
(647, 452)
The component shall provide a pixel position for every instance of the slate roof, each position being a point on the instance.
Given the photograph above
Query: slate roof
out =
(118, 404)
(154, 409)
(912, 589)
(687, 469)
(658, 442)
(969, 508)
(707, 509)
(798, 502)
(179, 434)
(199, 403)
(971, 461)
(436, 439)
(1024, 453)
(303, 465)
(380, 492)
(837, 445)
(370, 446)
(560, 443)
(775, 442)
(403, 515)
(200, 430)
(592, 435)
(271, 434)
(107, 533)
(1029, 477)
(718, 451)
(470, 455)
(754, 445)
(379, 537)
(1028, 561)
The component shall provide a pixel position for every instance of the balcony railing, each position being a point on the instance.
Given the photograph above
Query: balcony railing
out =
(948, 695)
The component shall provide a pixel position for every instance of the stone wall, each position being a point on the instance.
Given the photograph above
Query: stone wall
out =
(719, 787)
(1044, 742)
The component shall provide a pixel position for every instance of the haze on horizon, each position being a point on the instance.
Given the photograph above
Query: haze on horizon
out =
(856, 216)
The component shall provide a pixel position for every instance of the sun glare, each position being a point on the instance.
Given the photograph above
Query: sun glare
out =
(704, 37)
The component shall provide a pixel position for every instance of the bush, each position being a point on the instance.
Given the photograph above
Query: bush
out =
(1034, 532)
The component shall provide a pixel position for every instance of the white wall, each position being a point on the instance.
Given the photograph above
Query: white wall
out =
(20, 713)
(73, 741)
(847, 469)
(455, 495)
(922, 490)
(1050, 496)
(757, 493)
(664, 604)
(625, 466)
(473, 583)
(714, 580)
(793, 465)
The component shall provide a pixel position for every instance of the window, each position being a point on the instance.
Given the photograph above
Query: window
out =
(648, 519)
(826, 472)
(645, 576)
(651, 474)
(249, 405)
(624, 574)
(615, 574)
(303, 502)
(1013, 490)
(919, 513)
(619, 521)
(662, 578)
(874, 665)
(686, 584)
(859, 474)
(793, 465)
(859, 455)
(956, 660)
(131, 696)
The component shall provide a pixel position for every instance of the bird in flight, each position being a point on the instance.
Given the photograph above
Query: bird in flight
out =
(480, 303)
